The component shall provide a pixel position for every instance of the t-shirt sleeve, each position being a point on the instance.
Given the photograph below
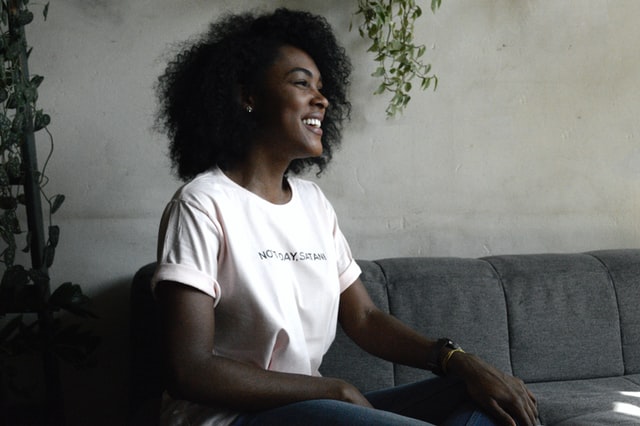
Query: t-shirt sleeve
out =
(348, 269)
(189, 243)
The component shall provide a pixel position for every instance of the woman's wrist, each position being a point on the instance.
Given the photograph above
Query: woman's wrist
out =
(461, 363)
(440, 354)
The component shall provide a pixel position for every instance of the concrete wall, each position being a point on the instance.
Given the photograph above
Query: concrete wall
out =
(530, 143)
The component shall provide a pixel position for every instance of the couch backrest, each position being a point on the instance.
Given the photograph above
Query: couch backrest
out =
(541, 317)
(453, 297)
(564, 321)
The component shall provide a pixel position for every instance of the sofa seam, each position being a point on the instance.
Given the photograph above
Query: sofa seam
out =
(617, 296)
(506, 308)
(394, 369)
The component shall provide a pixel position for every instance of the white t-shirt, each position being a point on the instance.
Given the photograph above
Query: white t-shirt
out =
(275, 271)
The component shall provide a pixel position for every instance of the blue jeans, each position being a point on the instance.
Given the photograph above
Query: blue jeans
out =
(434, 401)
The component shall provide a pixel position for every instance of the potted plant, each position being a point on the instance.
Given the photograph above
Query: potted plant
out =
(29, 312)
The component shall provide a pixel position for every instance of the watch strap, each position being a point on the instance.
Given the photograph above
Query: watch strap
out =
(440, 355)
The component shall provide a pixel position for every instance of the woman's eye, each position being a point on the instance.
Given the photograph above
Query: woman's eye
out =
(303, 83)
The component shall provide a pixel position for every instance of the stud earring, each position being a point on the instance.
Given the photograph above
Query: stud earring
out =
(249, 108)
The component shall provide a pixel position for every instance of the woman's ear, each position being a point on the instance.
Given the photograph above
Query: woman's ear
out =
(247, 101)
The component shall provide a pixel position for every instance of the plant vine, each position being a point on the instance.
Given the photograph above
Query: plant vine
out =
(389, 24)
(25, 289)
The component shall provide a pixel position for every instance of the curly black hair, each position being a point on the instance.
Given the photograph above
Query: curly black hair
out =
(200, 106)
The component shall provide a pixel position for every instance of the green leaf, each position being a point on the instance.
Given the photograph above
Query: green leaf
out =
(36, 80)
(41, 120)
(31, 94)
(4, 177)
(57, 202)
(9, 254)
(5, 123)
(10, 221)
(54, 235)
(7, 235)
(69, 297)
(28, 246)
(24, 18)
(379, 72)
(12, 102)
(49, 255)
(8, 203)
(14, 167)
(38, 276)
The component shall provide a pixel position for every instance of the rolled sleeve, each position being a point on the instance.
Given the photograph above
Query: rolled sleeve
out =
(188, 247)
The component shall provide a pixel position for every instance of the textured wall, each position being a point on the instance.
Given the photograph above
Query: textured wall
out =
(529, 144)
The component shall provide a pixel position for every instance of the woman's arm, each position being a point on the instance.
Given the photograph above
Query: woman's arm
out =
(193, 373)
(500, 394)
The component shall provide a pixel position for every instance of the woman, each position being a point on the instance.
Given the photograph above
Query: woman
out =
(253, 270)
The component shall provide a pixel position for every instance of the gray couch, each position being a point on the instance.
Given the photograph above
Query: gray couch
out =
(567, 324)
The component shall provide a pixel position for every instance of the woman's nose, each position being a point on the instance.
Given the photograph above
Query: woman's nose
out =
(320, 100)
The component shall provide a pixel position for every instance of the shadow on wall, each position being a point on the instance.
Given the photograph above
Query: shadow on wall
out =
(99, 394)
(109, 10)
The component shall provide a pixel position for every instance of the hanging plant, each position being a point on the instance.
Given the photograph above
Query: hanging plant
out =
(389, 24)
(26, 289)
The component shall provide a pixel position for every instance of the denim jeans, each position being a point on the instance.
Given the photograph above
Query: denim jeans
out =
(434, 401)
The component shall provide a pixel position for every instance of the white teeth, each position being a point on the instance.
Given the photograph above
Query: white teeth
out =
(312, 122)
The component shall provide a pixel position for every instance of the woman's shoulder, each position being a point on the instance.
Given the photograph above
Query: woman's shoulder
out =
(305, 186)
(309, 192)
(205, 187)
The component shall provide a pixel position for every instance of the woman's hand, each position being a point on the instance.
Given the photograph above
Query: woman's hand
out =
(501, 395)
(346, 392)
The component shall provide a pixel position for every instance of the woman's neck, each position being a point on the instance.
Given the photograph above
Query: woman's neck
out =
(263, 180)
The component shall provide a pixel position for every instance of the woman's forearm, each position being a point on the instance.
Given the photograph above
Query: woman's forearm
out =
(379, 333)
(387, 337)
(224, 382)
(195, 374)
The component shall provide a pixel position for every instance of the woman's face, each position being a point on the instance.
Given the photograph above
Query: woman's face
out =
(290, 107)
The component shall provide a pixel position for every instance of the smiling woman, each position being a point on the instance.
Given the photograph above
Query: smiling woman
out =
(253, 272)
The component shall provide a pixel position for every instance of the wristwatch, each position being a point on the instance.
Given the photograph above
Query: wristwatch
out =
(441, 354)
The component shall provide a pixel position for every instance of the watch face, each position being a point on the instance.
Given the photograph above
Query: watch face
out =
(451, 344)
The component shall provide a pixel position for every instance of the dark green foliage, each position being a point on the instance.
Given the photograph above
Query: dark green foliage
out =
(30, 314)
(389, 24)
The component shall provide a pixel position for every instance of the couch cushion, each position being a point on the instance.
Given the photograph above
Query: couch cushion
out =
(606, 401)
(453, 297)
(146, 379)
(345, 359)
(563, 317)
(624, 268)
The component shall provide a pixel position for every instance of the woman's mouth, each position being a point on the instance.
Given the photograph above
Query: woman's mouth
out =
(313, 122)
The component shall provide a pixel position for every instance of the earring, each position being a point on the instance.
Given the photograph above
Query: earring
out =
(249, 108)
